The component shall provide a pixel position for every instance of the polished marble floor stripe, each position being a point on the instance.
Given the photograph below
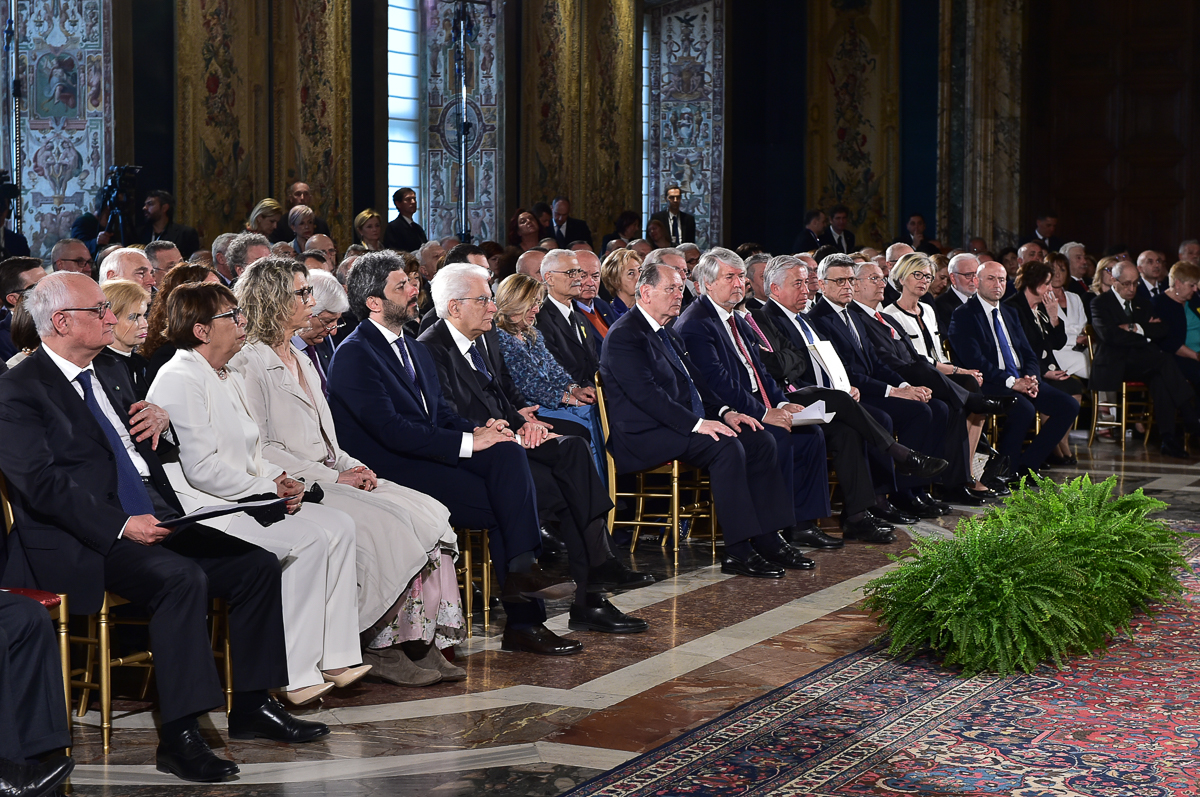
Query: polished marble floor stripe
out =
(378, 767)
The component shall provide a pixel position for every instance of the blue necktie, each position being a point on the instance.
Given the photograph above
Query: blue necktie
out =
(408, 366)
(822, 377)
(130, 490)
(1010, 365)
(697, 404)
(477, 359)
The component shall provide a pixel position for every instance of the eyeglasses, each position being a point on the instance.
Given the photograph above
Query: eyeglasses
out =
(483, 301)
(100, 310)
(968, 276)
(842, 282)
(876, 279)
(235, 314)
(922, 276)
(304, 292)
(336, 323)
(79, 261)
(574, 273)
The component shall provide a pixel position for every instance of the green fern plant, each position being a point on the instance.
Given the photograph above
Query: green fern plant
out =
(1054, 573)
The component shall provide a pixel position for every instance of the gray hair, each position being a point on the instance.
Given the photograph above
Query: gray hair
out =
(154, 247)
(63, 243)
(757, 259)
(450, 281)
(655, 258)
(1182, 246)
(962, 258)
(1066, 248)
(221, 243)
(650, 274)
(865, 264)
(710, 265)
(299, 213)
(836, 260)
(777, 267)
(550, 261)
(235, 251)
(112, 261)
(328, 294)
(688, 247)
(1117, 268)
(425, 247)
(51, 294)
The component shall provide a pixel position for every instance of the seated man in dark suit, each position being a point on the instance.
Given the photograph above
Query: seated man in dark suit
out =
(986, 336)
(72, 430)
(402, 233)
(33, 712)
(569, 337)
(565, 229)
(598, 312)
(478, 387)
(391, 413)
(1127, 328)
(662, 409)
(836, 234)
(161, 226)
(1152, 266)
(680, 226)
(894, 350)
(722, 346)
(917, 417)
(858, 433)
(809, 239)
(964, 281)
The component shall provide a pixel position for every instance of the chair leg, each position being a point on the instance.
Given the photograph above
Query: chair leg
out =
(105, 656)
(64, 652)
(464, 550)
(89, 661)
(1124, 414)
(675, 509)
(1095, 416)
(487, 584)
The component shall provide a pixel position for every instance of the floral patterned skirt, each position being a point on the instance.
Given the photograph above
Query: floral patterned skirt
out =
(430, 610)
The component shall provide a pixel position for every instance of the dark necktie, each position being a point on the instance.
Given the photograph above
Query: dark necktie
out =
(822, 377)
(408, 366)
(853, 331)
(697, 404)
(758, 383)
(1128, 309)
(675, 230)
(130, 489)
(477, 359)
(766, 344)
(311, 351)
(1010, 365)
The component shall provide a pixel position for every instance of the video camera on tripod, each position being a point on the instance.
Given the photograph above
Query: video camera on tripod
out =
(117, 200)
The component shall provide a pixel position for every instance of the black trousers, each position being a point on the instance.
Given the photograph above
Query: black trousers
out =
(1168, 386)
(33, 714)
(174, 581)
(747, 486)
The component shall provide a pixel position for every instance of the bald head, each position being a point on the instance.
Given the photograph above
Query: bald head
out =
(894, 253)
(128, 264)
(530, 264)
(993, 281)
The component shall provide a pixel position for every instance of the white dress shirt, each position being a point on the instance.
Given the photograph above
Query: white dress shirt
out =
(467, 446)
(654, 325)
(568, 313)
(962, 297)
(988, 307)
(844, 317)
(725, 315)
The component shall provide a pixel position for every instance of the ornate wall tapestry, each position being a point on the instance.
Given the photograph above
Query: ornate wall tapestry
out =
(687, 110)
(979, 121)
(580, 107)
(854, 125)
(65, 67)
(312, 96)
(439, 116)
(222, 145)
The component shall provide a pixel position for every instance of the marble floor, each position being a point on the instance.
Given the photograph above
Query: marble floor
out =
(526, 725)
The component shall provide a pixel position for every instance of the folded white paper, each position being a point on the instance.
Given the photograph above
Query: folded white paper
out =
(813, 413)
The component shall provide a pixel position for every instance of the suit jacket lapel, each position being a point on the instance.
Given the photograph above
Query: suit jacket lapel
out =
(392, 359)
(58, 386)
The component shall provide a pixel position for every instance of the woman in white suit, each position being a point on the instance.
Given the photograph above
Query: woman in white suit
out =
(408, 604)
(221, 460)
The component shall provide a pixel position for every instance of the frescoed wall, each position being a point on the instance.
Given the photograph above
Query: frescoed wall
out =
(687, 110)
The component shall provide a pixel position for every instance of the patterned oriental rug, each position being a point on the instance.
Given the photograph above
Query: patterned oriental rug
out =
(1126, 724)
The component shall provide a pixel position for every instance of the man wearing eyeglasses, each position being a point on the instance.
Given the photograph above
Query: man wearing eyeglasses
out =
(163, 256)
(71, 254)
(128, 264)
(568, 335)
(315, 340)
(89, 491)
(17, 276)
(963, 284)
(1127, 328)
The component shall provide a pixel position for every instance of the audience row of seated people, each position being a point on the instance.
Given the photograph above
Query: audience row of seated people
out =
(382, 428)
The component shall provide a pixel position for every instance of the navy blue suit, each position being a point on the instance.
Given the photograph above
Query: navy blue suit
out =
(651, 419)
(919, 425)
(382, 420)
(801, 451)
(974, 343)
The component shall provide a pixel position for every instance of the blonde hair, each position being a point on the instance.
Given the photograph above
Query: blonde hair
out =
(514, 296)
(364, 217)
(906, 265)
(266, 296)
(124, 295)
(1185, 271)
(614, 263)
(266, 208)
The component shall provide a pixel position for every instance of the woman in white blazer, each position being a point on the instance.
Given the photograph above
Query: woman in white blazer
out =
(408, 603)
(221, 460)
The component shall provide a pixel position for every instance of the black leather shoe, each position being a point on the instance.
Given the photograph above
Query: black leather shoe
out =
(893, 515)
(921, 465)
(962, 495)
(753, 566)
(910, 505)
(864, 530)
(1174, 448)
(928, 500)
(273, 721)
(536, 584)
(788, 558)
(540, 640)
(998, 404)
(811, 537)
(605, 618)
(614, 575)
(551, 545)
(188, 757)
(33, 780)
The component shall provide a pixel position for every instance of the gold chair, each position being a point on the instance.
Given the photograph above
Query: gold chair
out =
(59, 612)
(465, 571)
(1134, 406)
(680, 477)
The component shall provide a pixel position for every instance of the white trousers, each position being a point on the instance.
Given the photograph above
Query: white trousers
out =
(316, 548)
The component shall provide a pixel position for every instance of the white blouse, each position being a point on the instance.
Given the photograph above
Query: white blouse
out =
(929, 317)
